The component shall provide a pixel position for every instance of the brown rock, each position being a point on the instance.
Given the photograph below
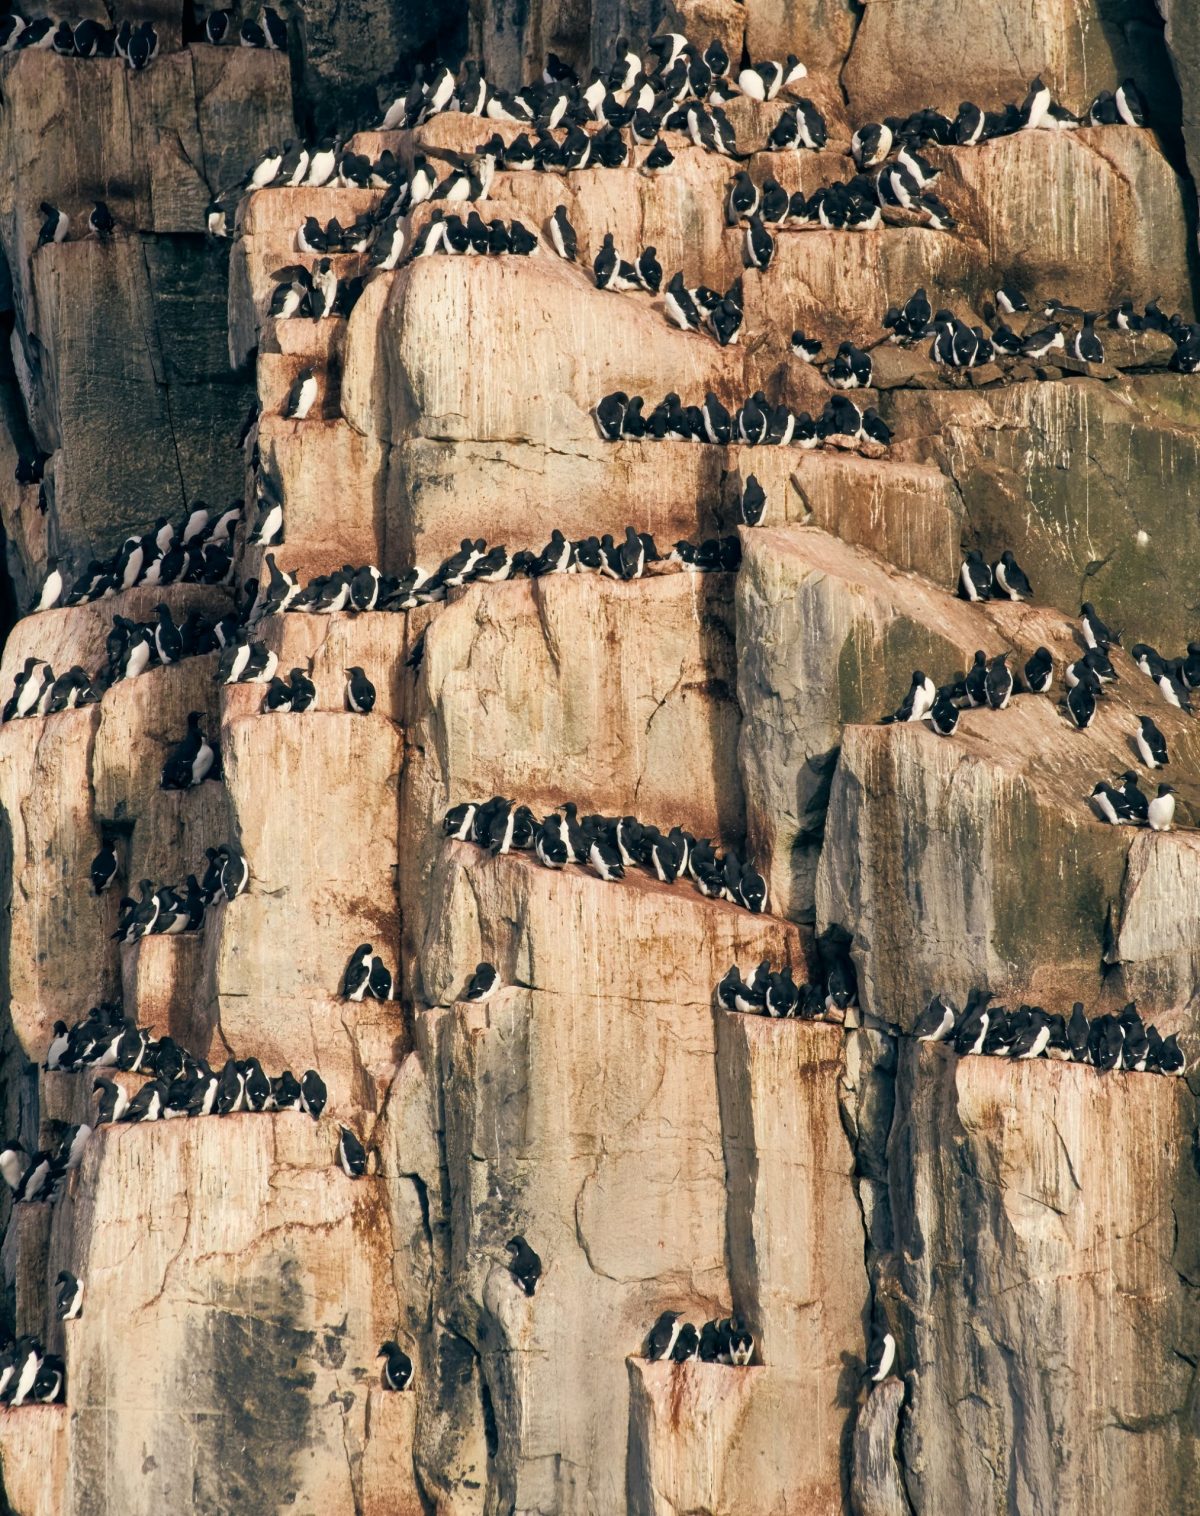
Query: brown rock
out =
(990, 56)
(1122, 226)
(877, 1485)
(1066, 1259)
(908, 513)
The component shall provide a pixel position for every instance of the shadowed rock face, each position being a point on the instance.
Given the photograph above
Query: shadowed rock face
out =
(1025, 1231)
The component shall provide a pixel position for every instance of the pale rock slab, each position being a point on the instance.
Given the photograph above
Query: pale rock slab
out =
(1044, 1290)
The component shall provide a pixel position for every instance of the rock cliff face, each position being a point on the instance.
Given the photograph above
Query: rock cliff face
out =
(1025, 1231)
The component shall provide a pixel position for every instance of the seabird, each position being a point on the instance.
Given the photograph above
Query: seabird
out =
(1151, 744)
(68, 1297)
(881, 1355)
(1008, 574)
(301, 396)
(483, 982)
(524, 1264)
(1161, 810)
(975, 577)
(397, 1367)
(662, 1336)
(360, 692)
(351, 1154)
(1039, 672)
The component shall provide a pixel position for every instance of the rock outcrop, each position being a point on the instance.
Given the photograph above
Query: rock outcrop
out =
(1022, 1231)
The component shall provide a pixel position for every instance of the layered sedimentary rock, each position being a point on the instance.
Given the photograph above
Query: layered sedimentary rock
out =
(1023, 1230)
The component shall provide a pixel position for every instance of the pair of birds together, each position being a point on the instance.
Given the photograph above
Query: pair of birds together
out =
(56, 224)
(31, 1376)
(219, 30)
(672, 1339)
(1106, 1042)
(608, 846)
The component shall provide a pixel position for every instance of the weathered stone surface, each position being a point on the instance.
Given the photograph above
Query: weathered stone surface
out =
(832, 281)
(908, 513)
(33, 1443)
(876, 1484)
(831, 636)
(239, 1334)
(155, 146)
(1089, 484)
(628, 734)
(513, 41)
(1183, 49)
(965, 52)
(273, 986)
(1098, 213)
(1046, 1292)
(402, 375)
(539, 925)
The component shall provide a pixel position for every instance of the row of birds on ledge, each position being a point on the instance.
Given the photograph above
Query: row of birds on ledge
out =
(756, 422)
(169, 910)
(133, 647)
(608, 846)
(1106, 1042)
(137, 45)
(959, 345)
(196, 550)
(680, 87)
(365, 589)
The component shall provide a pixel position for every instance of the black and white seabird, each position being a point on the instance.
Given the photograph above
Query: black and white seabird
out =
(1161, 810)
(753, 502)
(1081, 705)
(312, 1093)
(1095, 633)
(360, 692)
(68, 1296)
(397, 1367)
(352, 1156)
(55, 224)
(562, 235)
(1039, 672)
(662, 1336)
(998, 684)
(759, 245)
(483, 982)
(301, 396)
(936, 1021)
(104, 868)
(190, 761)
(1008, 574)
(881, 1355)
(1151, 744)
(356, 979)
(975, 577)
(524, 1264)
